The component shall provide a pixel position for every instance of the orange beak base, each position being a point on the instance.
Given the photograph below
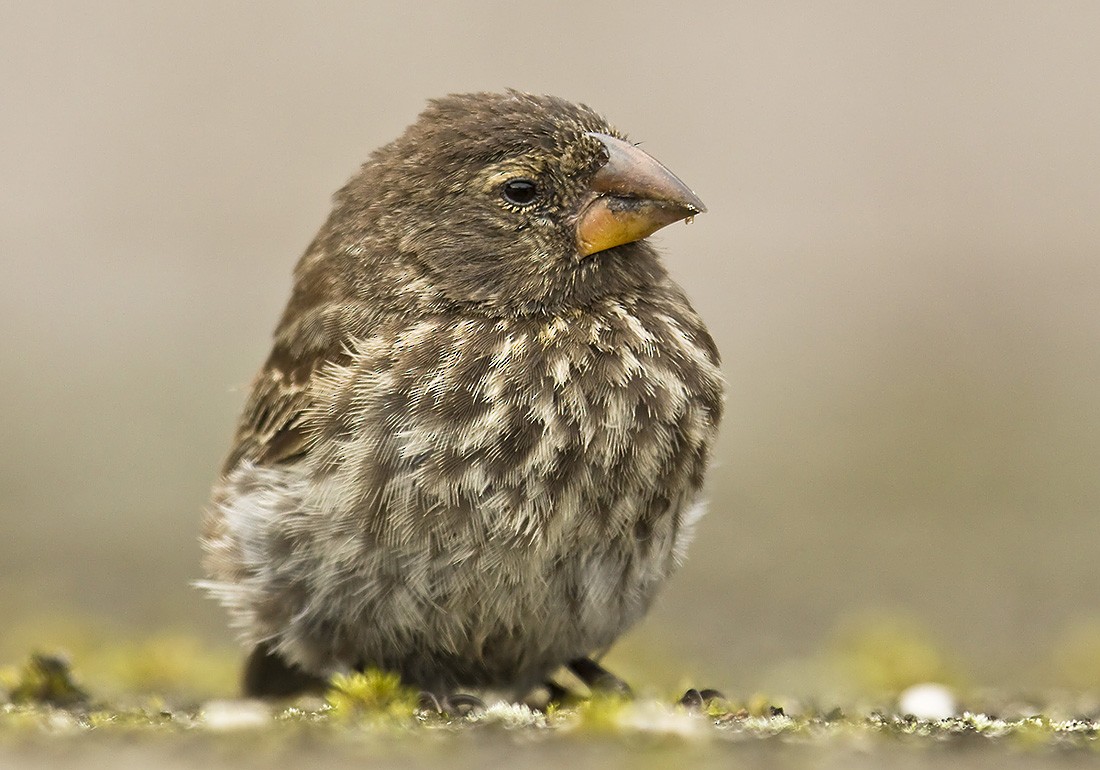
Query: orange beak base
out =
(633, 197)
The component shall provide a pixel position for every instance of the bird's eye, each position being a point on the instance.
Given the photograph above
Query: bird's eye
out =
(520, 192)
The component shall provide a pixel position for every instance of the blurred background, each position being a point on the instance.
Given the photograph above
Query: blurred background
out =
(901, 265)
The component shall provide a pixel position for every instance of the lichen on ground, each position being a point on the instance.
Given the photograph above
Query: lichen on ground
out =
(167, 701)
(43, 696)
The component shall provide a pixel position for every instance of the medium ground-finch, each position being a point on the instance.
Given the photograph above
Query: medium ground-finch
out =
(475, 452)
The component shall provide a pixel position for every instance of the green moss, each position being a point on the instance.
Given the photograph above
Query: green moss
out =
(602, 713)
(371, 695)
(44, 679)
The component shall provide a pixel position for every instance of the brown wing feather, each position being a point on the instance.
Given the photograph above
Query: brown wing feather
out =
(316, 326)
(271, 428)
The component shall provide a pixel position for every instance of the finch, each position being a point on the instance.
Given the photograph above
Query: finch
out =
(476, 450)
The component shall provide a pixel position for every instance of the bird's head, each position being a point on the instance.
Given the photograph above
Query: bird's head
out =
(510, 202)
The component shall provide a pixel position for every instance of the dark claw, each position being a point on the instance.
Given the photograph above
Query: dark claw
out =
(426, 701)
(697, 700)
(457, 704)
(462, 704)
(693, 699)
(598, 678)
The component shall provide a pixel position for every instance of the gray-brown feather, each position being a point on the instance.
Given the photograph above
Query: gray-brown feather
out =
(534, 533)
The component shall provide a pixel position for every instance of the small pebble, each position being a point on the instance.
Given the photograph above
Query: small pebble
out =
(235, 714)
(929, 701)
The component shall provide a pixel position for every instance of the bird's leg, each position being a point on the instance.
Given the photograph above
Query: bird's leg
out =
(598, 678)
(555, 693)
(268, 675)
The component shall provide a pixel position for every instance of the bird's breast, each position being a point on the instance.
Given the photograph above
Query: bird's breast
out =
(521, 428)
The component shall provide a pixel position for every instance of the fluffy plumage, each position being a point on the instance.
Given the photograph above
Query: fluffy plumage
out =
(473, 453)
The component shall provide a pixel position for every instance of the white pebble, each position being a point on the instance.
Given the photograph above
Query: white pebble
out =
(235, 714)
(928, 701)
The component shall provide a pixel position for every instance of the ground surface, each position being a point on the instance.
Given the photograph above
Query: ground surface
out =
(49, 718)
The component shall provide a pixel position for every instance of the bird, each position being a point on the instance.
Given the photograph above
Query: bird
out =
(478, 446)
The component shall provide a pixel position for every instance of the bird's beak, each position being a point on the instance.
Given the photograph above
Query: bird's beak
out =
(633, 195)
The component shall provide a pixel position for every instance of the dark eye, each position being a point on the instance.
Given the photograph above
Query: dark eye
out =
(520, 192)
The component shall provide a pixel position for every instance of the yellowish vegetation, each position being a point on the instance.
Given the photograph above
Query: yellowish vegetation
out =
(371, 695)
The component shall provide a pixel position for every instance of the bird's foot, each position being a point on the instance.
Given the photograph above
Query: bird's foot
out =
(566, 692)
(453, 704)
(699, 700)
(599, 679)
